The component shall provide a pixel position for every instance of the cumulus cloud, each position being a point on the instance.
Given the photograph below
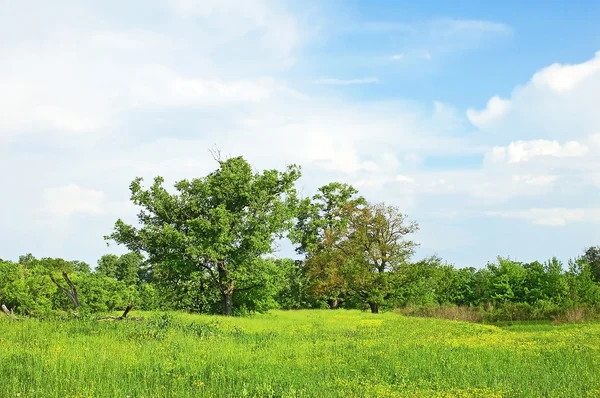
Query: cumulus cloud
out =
(558, 103)
(562, 78)
(496, 107)
(545, 145)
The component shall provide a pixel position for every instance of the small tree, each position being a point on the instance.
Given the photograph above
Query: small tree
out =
(58, 266)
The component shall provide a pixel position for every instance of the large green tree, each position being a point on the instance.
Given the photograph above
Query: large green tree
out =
(219, 224)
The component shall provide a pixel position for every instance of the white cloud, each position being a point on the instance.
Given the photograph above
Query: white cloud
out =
(470, 26)
(524, 151)
(496, 107)
(402, 178)
(84, 78)
(157, 85)
(366, 80)
(561, 78)
(535, 180)
(558, 103)
(397, 57)
(378, 182)
(72, 199)
(276, 28)
(559, 216)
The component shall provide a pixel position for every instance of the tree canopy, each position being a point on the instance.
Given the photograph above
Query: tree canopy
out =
(207, 245)
(217, 225)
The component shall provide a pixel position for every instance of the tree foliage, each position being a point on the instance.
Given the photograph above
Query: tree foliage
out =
(218, 225)
(204, 246)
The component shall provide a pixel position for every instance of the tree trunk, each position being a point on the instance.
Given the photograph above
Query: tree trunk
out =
(226, 285)
(71, 293)
(374, 308)
(129, 307)
(334, 303)
(227, 303)
(6, 311)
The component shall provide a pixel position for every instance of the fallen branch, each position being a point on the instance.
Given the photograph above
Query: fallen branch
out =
(122, 317)
(118, 318)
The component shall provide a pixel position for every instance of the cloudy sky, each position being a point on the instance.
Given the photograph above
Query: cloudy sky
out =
(480, 121)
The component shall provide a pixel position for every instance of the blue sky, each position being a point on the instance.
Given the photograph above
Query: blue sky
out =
(478, 119)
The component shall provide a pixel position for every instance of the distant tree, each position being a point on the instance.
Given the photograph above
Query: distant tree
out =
(107, 265)
(25, 286)
(326, 281)
(219, 224)
(128, 268)
(592, 256)
(81, 267)
(507, 281)
(327, 212)
(322, 220)
(12, 284)
(582, 286)
(27, 259)
(555, 284)
(293, 292)
(376, 245)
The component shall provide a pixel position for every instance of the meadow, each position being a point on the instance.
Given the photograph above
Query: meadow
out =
(308, 353)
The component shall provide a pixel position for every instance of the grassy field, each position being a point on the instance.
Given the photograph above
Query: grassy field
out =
(296, 354)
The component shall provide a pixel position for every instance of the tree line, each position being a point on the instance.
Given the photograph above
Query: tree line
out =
(206, 247)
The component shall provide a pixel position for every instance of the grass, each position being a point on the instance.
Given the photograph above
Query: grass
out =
(296, 354)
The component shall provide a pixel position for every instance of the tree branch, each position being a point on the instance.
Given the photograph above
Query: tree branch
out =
(243, 289)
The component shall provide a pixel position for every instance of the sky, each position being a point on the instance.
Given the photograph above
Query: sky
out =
(478, 119)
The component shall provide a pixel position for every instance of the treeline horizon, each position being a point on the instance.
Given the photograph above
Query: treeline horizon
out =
(206, 249)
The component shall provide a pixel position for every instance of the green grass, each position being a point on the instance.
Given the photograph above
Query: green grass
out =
(296, 354)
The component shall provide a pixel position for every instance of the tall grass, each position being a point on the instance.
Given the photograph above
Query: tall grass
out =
(508, 312)
(295, 354)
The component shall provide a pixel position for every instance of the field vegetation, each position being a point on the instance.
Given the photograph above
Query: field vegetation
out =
(309, 353)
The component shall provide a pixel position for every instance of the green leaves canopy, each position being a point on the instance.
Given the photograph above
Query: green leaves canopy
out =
(218, 224)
